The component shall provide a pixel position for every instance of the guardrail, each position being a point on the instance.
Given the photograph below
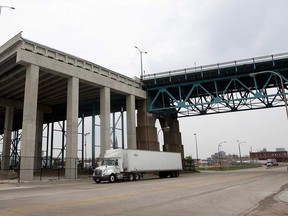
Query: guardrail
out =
(218, 66)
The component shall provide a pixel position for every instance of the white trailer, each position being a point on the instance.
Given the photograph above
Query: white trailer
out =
(119, 164)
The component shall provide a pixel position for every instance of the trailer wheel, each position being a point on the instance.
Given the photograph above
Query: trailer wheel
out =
(136, 177)
(130, 176)
(112, 178)
(163, 174)
(177, 173)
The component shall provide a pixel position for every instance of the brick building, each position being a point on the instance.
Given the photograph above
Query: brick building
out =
(280, 156)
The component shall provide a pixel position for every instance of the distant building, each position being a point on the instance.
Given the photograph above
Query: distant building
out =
(280, 149)
(280, 156)
(226, 159)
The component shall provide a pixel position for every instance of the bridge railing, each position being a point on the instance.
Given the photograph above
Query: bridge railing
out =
(77, 62)
(218, 66)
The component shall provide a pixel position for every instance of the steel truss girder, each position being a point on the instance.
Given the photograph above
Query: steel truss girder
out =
(235, 93)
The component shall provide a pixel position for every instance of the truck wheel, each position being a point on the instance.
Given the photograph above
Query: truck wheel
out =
(98, 181)
(131, 177)
(136, 177)
(112, 178)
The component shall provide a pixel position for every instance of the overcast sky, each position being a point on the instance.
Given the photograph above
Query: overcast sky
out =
(176, 34)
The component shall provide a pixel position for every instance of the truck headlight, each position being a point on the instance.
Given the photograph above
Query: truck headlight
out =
(105, 172)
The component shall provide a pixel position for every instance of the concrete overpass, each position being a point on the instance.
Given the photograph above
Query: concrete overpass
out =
(39, 85)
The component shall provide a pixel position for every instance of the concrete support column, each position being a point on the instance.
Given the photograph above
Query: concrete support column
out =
(146, 130)
(72, 128)
(29, 123)
(172, 138)
(7, 138)
(38, 146)
(131, 124)
(104, 120)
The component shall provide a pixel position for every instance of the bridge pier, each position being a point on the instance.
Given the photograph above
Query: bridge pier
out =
(172, 137)
(105, 120)
(7, 138)
(147, 138)
(29, 123)
(131, 131)
(146, 131)
(38, 146)
(72, 128)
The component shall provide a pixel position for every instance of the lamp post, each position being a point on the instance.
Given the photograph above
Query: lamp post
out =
(196, 148)
(2, 6)
(164, 129)
(240, 150)
(219, 161)
(282, 85)
(141, 52)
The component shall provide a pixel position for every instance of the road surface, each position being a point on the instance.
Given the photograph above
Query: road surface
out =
(244, 192)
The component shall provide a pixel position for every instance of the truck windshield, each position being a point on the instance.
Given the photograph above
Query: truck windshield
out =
(108, 162)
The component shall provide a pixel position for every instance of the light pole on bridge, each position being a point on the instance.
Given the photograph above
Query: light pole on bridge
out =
(141, 52)
(2, 6)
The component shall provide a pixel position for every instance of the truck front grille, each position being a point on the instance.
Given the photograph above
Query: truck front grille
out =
(98, 172)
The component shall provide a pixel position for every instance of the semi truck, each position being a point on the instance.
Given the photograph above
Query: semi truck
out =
(124, 164)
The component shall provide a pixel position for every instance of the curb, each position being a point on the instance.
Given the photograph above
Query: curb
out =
(282, 196)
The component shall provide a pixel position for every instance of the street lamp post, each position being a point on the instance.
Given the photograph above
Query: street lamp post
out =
(164, 129)
(240, 150)
(141, 52)
(219, 161)
(196, 148)
(282, 85)
(2, 6)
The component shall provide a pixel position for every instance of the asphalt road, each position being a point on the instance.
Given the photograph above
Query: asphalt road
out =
(245, 192)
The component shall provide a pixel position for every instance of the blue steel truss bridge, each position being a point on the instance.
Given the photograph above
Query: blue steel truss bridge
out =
(219, 88)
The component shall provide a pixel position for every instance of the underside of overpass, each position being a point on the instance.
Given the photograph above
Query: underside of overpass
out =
(52, 91)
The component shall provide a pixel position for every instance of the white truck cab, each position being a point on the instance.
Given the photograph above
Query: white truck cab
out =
(110, 169)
